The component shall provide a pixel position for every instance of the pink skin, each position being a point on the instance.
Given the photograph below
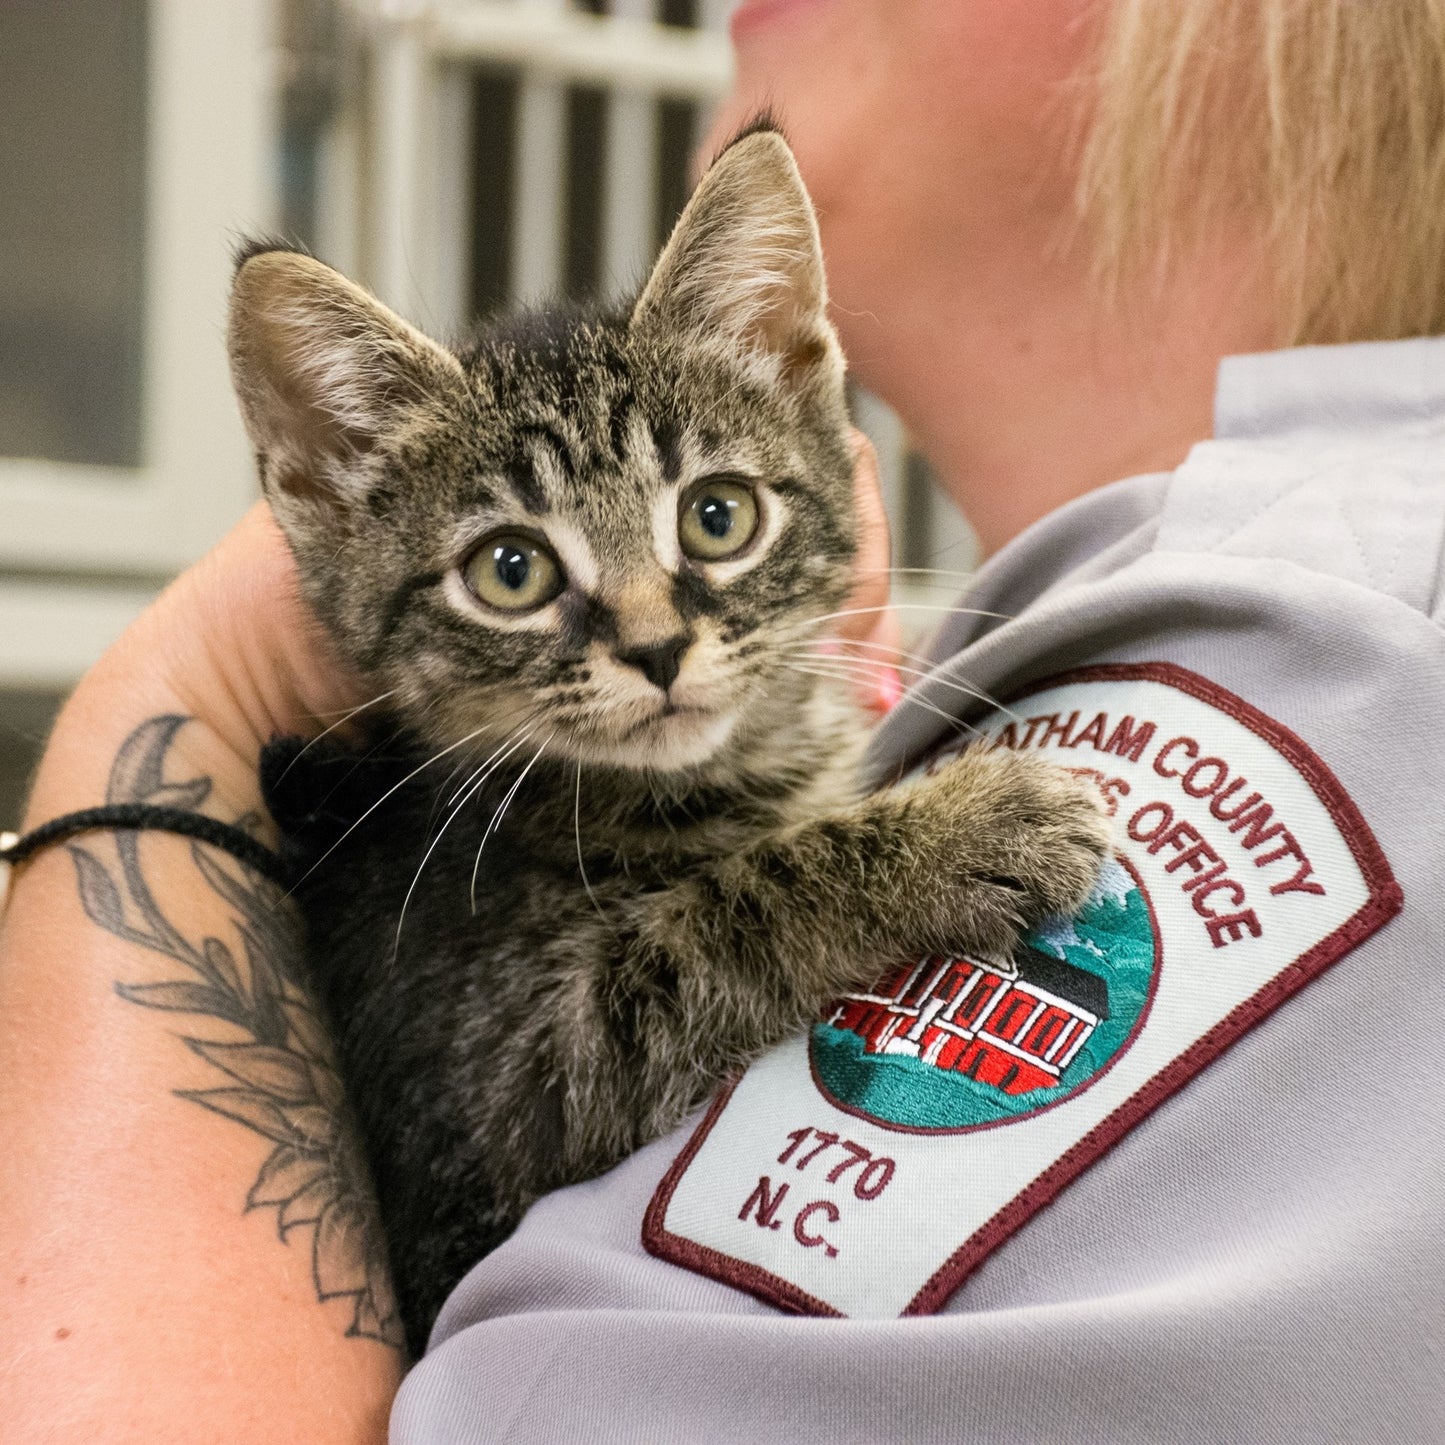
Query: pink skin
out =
(935, 137)
(754, 13)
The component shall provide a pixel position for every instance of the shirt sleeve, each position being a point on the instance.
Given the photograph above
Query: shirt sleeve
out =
(1258, 1255)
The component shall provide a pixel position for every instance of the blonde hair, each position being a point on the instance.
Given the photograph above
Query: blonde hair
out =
(1316, 125)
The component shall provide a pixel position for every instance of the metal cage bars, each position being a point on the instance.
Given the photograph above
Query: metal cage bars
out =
(422, 53)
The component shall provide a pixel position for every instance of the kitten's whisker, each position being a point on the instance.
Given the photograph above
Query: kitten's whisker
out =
(865, 664)
(577, 832)
(441, 802)
(956, 583)
(376, 747)
(360, 762)
(862, 669)
(964, 576)
(507, 747)
(906, 607)
(469, 788)
(910, 700)
(437, 803)
(500, 813)
(435, 758)
(340, 722)
(834, 647)
(953, 721)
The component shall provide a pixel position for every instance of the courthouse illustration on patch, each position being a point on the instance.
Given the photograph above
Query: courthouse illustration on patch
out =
(954, 1043)
(867, 1168)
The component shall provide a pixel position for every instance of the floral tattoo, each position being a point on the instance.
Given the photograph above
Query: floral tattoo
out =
(276, 1069)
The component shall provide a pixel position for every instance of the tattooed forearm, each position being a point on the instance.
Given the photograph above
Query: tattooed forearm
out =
(275, 1070)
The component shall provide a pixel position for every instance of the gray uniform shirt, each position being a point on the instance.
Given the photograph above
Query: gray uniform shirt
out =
(1251, 1249)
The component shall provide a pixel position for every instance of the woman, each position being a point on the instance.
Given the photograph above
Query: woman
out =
(1045, 226)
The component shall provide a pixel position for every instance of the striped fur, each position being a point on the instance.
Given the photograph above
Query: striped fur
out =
(625, 890)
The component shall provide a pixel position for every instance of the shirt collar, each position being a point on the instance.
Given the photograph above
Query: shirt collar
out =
(1363, 387)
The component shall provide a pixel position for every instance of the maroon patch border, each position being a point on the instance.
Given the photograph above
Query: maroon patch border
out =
(658, 1240)
(1385, 900)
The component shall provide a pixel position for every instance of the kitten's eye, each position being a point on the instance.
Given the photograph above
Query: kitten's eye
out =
(513, 572)
(718, 519)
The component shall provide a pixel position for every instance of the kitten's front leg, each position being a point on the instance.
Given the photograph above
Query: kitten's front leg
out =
(708, 973)
(981, 850)
(958, 862)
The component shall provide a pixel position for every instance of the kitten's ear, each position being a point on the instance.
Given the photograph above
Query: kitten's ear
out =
(744, 266)
(324, 371)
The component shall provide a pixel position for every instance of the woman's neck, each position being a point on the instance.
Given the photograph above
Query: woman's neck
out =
(1025, 390)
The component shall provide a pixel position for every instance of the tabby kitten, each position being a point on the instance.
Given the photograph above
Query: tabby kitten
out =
(581, 556)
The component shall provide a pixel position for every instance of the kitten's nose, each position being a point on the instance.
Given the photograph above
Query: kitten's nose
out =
(659, 662)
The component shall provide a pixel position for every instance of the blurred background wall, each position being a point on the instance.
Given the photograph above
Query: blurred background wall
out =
(455, 155)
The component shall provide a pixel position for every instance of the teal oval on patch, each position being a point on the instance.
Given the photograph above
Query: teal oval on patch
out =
(955, 1043)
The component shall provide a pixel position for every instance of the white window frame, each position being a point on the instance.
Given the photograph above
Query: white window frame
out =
(419, 51)
(208, 181)
(83, 548)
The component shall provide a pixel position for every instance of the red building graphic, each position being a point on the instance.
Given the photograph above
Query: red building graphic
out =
(1016, 1026)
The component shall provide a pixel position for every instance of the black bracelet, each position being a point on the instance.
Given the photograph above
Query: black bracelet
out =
(228, 839)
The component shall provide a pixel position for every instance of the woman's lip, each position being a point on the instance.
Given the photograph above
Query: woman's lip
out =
(752, 14)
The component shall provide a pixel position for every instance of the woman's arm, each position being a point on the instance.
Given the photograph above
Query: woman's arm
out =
(189, 1244)
(188, 1240)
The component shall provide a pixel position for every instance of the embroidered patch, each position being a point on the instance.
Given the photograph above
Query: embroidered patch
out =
(957, 1043)
(867, 1169)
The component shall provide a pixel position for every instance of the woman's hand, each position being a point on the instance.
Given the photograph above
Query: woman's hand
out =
(865, 634)
(232, 645)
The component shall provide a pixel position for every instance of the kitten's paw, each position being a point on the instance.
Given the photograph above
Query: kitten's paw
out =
(1020, 839)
